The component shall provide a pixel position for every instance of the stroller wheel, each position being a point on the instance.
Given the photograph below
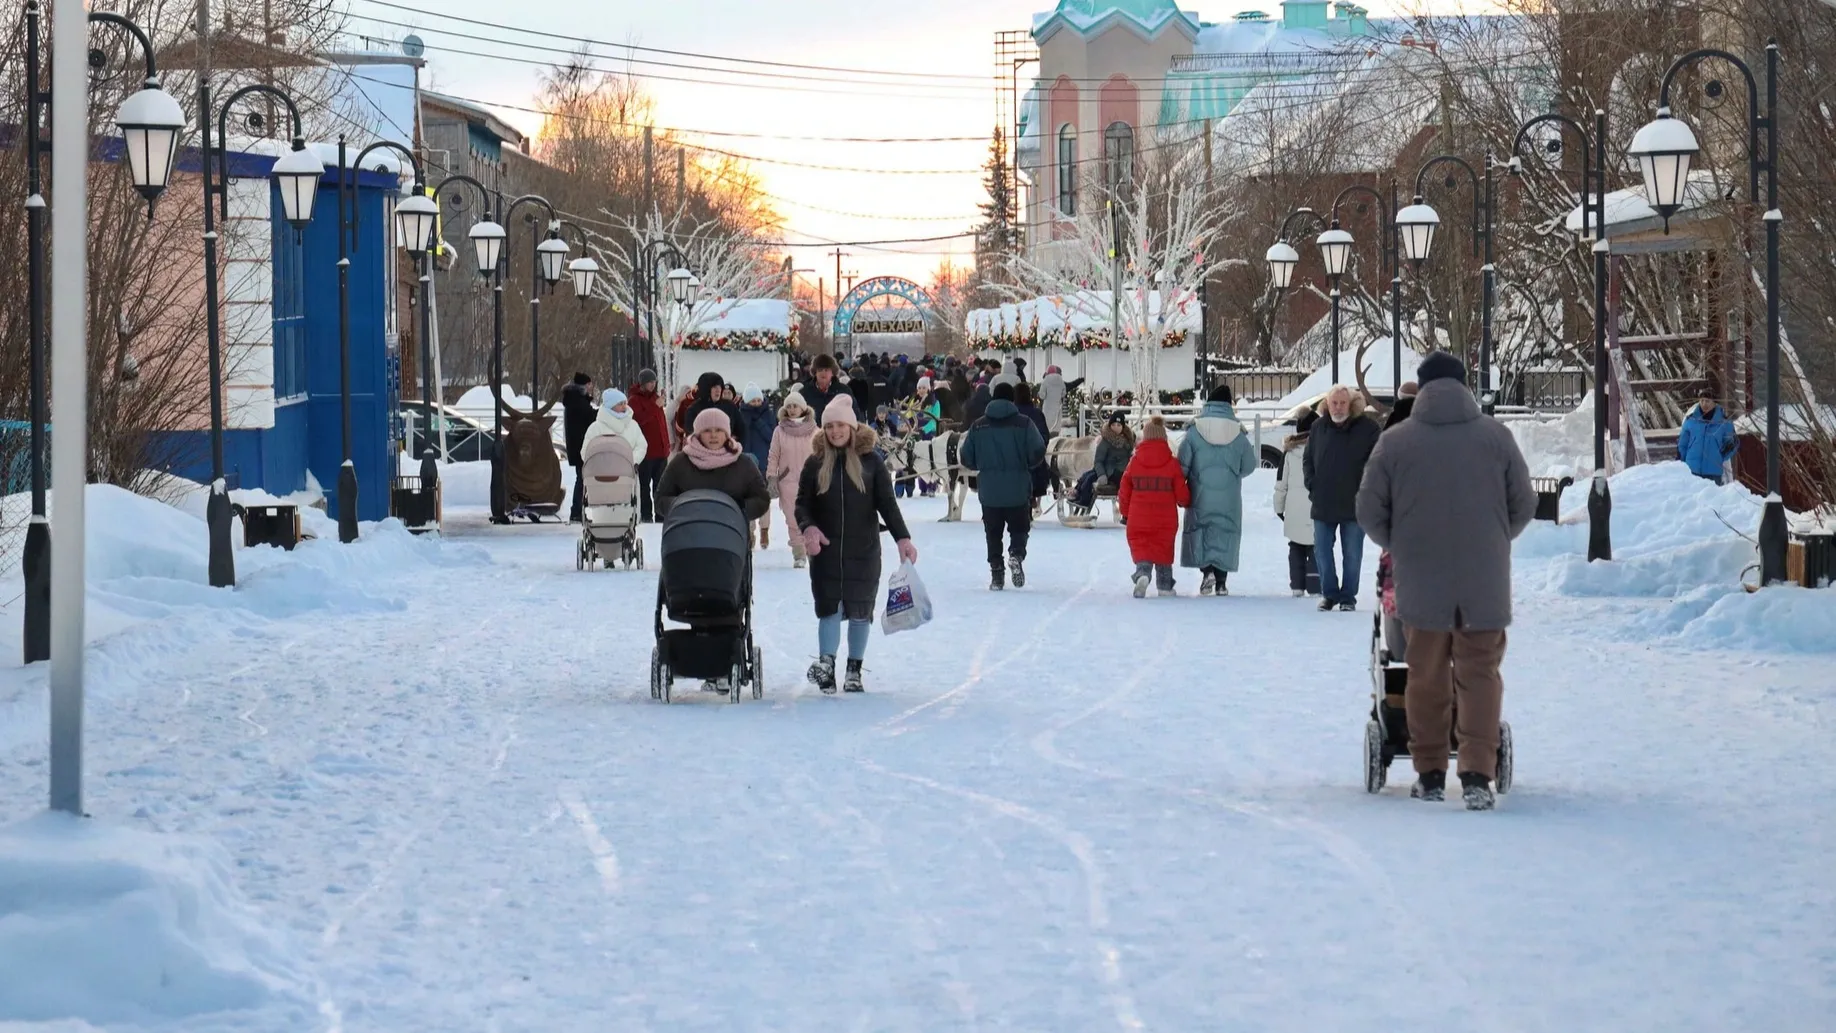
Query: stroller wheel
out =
(640, 555)
(734, 680)
(579, 556)
(660, 675)
(758, 673)
(1376, 766)
(1503, 780)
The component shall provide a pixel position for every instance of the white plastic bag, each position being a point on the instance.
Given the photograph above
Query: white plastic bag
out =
(908, 605)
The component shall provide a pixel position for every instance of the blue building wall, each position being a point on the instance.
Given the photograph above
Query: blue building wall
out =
(306, 435)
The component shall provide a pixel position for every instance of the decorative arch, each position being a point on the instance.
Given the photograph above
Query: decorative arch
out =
(880, 287)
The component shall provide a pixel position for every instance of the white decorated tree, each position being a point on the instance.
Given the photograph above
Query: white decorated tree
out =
(728, 268)
(1161, 222)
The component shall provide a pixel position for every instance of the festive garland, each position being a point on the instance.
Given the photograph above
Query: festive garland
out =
(1127, 398)
(742, 341)
(1074, 342)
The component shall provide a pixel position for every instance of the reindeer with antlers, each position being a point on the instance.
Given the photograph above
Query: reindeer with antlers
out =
(532, 469)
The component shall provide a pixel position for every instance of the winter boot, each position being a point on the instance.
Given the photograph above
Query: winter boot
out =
(1430, 786)
(1209, 585)
(1477, 789)
(853, 681)
(997, 579)
(1141, 584)
(1223, 584)
(1018, 571)
(764, 536)
(1164, 580)
(1327, 606)
(822, 674)
(800, 562)
(1349, 606)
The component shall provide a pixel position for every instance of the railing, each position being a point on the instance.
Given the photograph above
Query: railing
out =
(1252, 61)
(1559, 390)
(1260, 385)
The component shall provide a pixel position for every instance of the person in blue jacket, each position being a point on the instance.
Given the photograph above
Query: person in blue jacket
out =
(1707, 439)
(1216, 456)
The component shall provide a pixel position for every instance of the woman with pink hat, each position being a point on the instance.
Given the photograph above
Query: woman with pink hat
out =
(843, 496)
(709, 459)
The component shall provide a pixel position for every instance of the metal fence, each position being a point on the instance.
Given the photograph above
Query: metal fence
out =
(1547, 390)
(629, 353)
(1259, 385)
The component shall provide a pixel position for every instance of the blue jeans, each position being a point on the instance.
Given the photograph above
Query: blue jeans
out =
(829, 633)
(1351, 538)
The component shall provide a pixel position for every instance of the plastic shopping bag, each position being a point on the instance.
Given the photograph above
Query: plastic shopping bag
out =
(908, 605)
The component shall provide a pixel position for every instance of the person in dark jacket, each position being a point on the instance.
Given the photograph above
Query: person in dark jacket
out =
(710, 393)
(1114, 448)
(577, 414)
(757, 421)
(1707, 440)
(1001, 449)
(960, 389)
(1023, 400)
(647, 410)
(977, 405)
(710, 459)
(862, 390)
(1333, 465)
(844, 495)
(824, 384)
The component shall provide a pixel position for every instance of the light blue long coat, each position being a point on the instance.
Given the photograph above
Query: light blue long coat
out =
(1216, 455)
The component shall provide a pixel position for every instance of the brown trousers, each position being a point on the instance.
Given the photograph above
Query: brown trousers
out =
(1455, 672)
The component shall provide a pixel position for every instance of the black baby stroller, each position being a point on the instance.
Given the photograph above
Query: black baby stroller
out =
(706, 583)
(1386, 735)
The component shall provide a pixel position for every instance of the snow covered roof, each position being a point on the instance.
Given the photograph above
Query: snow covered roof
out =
(1075, 311)
(1627, 210)
(1093, 17)
(750, 314)
(1379, 373)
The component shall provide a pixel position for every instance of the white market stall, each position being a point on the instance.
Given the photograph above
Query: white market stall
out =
(743, 341)
(1072, 331)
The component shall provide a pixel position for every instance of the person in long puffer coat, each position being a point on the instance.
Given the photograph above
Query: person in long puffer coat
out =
(1215, 455)
(1152, 494)
(1295, 508)
(844, 494)
(791, 441)
(617, 417)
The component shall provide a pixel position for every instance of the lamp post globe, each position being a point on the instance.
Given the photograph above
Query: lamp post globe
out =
(694, 290)
(150, 122)
(1664, 148)
(487, 245)
(1282, 259)
(553, 255)
(297, 174)
(1335, 250)
(585, 271)
(1418, 223)
(415, 217)
(679, 285)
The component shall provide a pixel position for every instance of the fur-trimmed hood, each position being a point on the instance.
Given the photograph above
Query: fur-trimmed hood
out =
(1358, 408)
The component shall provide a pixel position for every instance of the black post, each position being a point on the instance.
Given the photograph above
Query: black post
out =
(1773, 532)
(347, 472)
(217, 509)
(1335, 330)
(1600, 499)
(1488, 289)
(1395, 258)
(500, 503)
(36, 562)
(430, 467)
(535, 318)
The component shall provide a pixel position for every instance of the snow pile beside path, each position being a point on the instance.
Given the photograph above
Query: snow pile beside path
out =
(1562, 448)
(113, 927)
(1672, 533)
(1784, 619)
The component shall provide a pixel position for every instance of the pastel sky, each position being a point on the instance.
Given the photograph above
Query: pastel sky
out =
(953, 37)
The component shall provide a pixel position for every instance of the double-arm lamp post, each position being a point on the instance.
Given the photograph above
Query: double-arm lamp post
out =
(415, 219)
(150, 122)
(1336, 246)
(488, 238)
(1593, 227)
(1419, 223)
(1664, 149)
(684, 290)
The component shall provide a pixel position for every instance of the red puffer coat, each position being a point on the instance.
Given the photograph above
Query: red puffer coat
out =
(1153, 491)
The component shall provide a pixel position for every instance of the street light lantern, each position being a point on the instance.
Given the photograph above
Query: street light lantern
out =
(694, 289)
(1664, 149)
(297, 174)
(1282, 259)
(415, 216)
(150, 122)
(679, 285)
(488, 242)
(1335, 250)
(1418, 224)
(553, 255)
(585, 271)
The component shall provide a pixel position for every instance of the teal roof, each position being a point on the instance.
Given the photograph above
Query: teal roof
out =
(1088, 17)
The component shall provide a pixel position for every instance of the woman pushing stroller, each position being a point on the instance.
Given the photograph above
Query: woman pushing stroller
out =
(844, 494)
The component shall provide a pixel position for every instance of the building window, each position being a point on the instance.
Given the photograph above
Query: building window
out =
(1067, 169)
(1119, 156)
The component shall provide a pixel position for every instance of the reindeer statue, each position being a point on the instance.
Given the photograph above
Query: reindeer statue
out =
(532, 469)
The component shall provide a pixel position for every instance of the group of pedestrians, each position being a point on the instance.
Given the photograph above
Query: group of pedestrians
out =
(635, 414)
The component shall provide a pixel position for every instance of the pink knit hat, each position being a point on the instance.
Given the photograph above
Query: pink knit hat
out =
(712, 417)
(841, 410)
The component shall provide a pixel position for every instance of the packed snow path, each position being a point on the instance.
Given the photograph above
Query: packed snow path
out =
(1056, 809)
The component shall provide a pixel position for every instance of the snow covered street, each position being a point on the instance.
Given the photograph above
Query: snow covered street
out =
(441, 779)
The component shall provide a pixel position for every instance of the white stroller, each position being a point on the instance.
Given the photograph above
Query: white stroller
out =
(609, 479)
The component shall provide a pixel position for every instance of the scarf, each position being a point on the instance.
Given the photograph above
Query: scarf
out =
(797, 426)
(706, 458)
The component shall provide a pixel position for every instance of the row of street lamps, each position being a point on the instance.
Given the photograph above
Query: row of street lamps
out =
(1665, 150)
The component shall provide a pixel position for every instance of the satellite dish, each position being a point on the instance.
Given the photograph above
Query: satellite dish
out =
(412, 46)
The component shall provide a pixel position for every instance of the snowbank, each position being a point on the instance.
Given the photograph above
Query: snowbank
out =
(105, 925)
(1561, 448)
(1379, 373)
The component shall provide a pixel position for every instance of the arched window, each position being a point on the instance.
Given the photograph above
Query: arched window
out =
(1067, 169)
(1119, 156)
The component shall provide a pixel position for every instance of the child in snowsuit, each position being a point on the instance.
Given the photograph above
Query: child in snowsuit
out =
(1152, 494)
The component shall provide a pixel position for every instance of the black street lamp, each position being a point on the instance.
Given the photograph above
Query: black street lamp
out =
(1336, 246)
(150, 122)
(487, 236)
(1664, 149)
(297, 174)
(683, 290)
(415, 217)
(1420, 222)
(1283, 258)
(1593, 224)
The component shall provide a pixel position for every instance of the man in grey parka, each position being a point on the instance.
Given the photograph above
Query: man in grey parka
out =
(1446, 492)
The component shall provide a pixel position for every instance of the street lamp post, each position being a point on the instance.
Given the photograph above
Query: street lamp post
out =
(150, 121)
(415, 217)
(1282, 259)
(487, 236)
(1664, 149)
(644, 292)
(1593, 221)
(297, 174)
(1420, 222)
(1386, 224)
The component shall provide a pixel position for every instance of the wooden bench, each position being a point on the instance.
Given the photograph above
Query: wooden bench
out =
(270, 525)
(1549, 496)
(1810, 560)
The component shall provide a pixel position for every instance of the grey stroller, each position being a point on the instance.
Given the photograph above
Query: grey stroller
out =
(1386, 734)
(609, 528)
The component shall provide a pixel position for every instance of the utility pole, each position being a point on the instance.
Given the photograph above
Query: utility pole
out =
(834, 334)
(681, 180)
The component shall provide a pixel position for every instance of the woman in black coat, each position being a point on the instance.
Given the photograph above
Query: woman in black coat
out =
(1042, 477)
(843, 496)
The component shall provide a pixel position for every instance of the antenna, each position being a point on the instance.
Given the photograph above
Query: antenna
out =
(412, 45)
